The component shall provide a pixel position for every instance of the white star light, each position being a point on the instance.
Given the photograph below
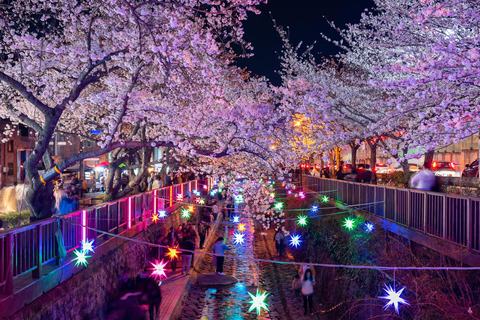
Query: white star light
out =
(162, 213)
(238, 238)
(236, 219)
(393, 297)
(369, 226)
(87, 246)
(295, 240)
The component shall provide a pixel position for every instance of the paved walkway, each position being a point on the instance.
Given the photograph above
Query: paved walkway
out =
(231, 302)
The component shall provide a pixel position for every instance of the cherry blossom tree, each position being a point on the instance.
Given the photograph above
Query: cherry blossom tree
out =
(71, 66)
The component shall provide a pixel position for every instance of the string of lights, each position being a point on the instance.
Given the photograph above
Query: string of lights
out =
(295, 263)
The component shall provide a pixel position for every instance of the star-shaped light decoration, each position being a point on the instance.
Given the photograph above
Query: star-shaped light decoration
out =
(197, 193)
(191, 208)
(289, 192)
(158, 270)
(87, 246)
(369, 227)
(236, 219)
(162, 213)
(239, 199)
(349, 223)
(205, 187)
(301, 195)
(314, 208)
(173, 253)
(278, 206)
(393, 298)
(272, 195)
(179, 197)
(238, 238)
(213, 192)
(241, 227)
(155, 218)
(81, 258)
(201, 201)
(185, 213)
(295, 240)
(325, 199)
(302, 220)
(258, 301)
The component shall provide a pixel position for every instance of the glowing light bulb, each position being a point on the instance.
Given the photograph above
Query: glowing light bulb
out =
(87, 246)
(258, 302)
(369, 227)
(185, 214)
(349, 223)
(301, 194)
(158, 270)
(173, 253)
(81, 258)
(393, 298)
(162, 213)
(238, 238)
(295, 240)
(302, 220)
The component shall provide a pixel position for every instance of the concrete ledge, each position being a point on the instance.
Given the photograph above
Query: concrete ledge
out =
(213, 279)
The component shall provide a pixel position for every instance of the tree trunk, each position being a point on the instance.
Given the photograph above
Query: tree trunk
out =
(373, 159)
(41, 201)
(354, 147)
(429, 156)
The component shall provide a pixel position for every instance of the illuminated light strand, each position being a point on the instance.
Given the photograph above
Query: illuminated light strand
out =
(295, 263)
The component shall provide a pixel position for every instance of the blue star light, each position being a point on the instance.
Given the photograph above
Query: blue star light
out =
(162, 213)
(314, 208)
(295, 240)
(236, 219)
(87, 246)
(369, 227)
(238, 238)
(393, 298)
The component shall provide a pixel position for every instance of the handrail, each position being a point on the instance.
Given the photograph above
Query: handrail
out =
(27, 248)
(452, 218)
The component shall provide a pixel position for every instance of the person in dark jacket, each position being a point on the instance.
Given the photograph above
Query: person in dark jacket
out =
(150, 293)
(187, 257)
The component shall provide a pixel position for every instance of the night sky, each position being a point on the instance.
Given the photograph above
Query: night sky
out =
(306, 19)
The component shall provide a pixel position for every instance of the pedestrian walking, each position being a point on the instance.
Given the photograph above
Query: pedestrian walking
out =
(219, 248)
(215, 210)
(202, 232)
(187, 257)
(279, 242)
(151, 294)
(297, 285)
(424, 179)
(308, 282)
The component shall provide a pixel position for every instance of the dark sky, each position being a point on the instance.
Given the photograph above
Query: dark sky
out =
(306, 21)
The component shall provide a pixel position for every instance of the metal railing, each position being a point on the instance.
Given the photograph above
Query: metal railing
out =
(29, 248)
(449, 217)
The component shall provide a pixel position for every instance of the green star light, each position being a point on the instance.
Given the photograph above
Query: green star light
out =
(278, 206)
(81, 258)
(185, 214)
(258, 301)
(302, 220)
(325, 199)
(349, 223)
